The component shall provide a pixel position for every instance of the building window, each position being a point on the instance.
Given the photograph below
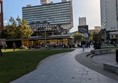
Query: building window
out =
(0, 7)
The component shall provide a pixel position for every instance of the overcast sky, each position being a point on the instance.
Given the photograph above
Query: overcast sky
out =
(81, 8)
(89, 9)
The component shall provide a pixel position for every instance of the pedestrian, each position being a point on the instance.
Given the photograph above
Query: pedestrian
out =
(5, 46)
(1, 46)
(14, 46)
(83, 44)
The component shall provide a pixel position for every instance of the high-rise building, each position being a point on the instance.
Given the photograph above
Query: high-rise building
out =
(45, 1)
(50, 22)
(1, 14)
(109, 15)
(83, 27)
(97, 28)
(82, 21)
(55, 14)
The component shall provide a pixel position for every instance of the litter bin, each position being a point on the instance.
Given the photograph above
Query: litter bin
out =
(117, 55)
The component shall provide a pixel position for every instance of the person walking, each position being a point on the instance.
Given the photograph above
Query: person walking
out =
(14, 46)
(5, 46)
(83, 44)
(1, 46)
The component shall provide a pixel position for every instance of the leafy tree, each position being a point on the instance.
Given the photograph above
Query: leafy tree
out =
(96, 37)
(77, 38)
(11, 32)
(91, 36)
(12, 21)
(19, 21)
(4, 33)
(24, 30)
(17, 29)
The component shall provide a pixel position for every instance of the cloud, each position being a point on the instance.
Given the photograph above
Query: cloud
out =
(5, 22)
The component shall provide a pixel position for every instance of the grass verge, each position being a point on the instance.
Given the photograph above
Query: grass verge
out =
(15, 64)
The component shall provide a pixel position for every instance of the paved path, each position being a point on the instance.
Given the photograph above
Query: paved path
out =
(105, 58)
(63, 68)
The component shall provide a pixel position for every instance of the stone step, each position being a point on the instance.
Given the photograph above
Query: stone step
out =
(112, 67)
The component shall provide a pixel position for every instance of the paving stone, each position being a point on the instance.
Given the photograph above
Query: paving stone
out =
(63, 68)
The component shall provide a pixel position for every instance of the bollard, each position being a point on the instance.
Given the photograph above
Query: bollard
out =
(117, 55)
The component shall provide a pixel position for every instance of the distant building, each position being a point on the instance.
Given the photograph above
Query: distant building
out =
(83, 27)
(45, 1)
(63, 0)
(109, 18)
(83, 30)
(82, 21)
(109, 14)
(95, 30)
(55, 14)
(50, 22)
(1, 15)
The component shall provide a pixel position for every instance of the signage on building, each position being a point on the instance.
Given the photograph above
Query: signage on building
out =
(83, 29)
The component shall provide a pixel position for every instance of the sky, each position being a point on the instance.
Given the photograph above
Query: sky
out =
(81, 8)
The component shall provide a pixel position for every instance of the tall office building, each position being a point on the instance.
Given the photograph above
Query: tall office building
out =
(1, 14)
(55, 14)
(45, 1)
(83, 27)
(109, 14)
(82, 21)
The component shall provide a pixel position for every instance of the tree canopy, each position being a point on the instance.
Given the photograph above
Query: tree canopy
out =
(96, 37)
(16, 29)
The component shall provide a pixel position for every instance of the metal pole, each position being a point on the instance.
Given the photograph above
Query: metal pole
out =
(45, 37)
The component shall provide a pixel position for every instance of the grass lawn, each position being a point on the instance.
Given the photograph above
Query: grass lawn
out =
(14, 64)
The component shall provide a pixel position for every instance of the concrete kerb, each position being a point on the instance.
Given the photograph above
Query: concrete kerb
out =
(99, 52)
(112, 67)
(88, 62)
(102, 51)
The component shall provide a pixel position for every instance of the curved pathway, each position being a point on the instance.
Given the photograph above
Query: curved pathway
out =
(63, 68)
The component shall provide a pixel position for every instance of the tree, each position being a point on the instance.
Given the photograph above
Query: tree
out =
(24, 30)
(96, 37)
(77, 37)
(12, 21)
(11, 32)
(19, 21)
(17, 29)
(4, 34)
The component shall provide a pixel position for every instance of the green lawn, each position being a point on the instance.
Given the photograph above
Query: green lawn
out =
(15, 64)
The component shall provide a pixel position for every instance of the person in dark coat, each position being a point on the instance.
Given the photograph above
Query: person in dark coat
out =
(14, 46)
(83, 44)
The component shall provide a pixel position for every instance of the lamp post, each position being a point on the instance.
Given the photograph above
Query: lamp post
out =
(46, 26)
(45, 37)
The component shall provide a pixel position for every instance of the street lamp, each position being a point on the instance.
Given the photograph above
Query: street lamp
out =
(45, 37)
(46, 26)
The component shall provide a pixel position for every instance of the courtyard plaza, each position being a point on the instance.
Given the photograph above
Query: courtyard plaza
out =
(63, 68)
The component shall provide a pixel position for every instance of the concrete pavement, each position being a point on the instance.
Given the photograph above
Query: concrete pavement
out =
(63, 68)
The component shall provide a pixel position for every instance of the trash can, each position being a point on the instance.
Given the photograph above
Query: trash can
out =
(117, 55)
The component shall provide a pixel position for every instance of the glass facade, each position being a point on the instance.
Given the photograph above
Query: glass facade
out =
(55, 13)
